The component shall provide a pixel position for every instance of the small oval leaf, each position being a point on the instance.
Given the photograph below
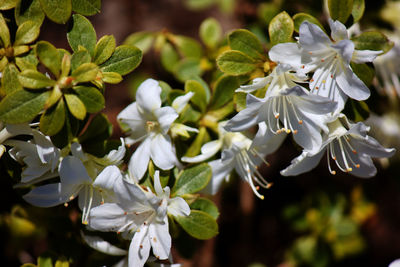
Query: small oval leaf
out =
(86, 7)
(52, 120)
(246, 42)
(198, 224)
(340, 9)
(210, 32)
(104, 49)
(124, 60)
(81, 33)
(58, 11)
(206, 205)
(75, 106)
(27, 32)
(192, 180)
(235, 63)
(34, 80)
(49, 56)
(281, 28)
(91, 97)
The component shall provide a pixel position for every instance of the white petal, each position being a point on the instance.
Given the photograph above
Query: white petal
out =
(108, 217)
(165, 117)
(338, 30)
(352, 86)
(140, 159)
(73, 172)
(345, 48)
(220, 172)
(77, 151)
(207, 151)
(288, 53)
(258, 83)
(265, 141)
(395, 263)
(157, 183)
(139, 248)
(134, 121)
(162, 152)
(148, 96)
(371, 147)
(107, 178)
(177, 206)
(47, 152)
(362, 56)
(180, 102)
(101, 245)
(160, 239)
(302, 164)
(312, 37)
(17, 129)
(51, 195)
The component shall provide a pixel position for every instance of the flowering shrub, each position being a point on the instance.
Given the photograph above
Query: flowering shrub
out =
(240, 96)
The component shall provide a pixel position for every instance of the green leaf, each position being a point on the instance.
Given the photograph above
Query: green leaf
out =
(124, 60)
(10, 79)
(104, 49)
(29, 10)
(81, 33)
(62, 263)
(267, 11)
(239, 99)
(142, 40)
(281, 28)
(246, 42)
(169, 57)
(4, 32)
(356, 110)
(195, 147)
(112, 77)
(22, 106)
(199, 4)
(235, 63)
(49, 56)
(192, 180)
(364, 72)
(206, 205)
(79, 58)
(198, 224)
(210, 32)
(44, 261)
(86, 72)
(75, 106)
(58, 11)
(27, 32)
(65, 65)
(34, 80)
(86, 7)
(99, 129)
(187, 69)
(340, 9)
(55, 95)
(358, 10)
(52, 120)
(372, 40)
(188, 47)
(199, 98)
(225, 87)
(91, 97)
(8, 4)
(27, 61)
(299, 18)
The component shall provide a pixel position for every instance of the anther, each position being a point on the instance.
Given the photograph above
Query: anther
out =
(257, 187)
(269, 185)
(334, 158)
(288, 131)
(349, 169)
(71, 197)
(302, 66)
(323, 81)
(316, 87)
(65, 204)
(277, 116)
(300, 121)
(354, 151)
(310, 53)
(140, 246)
(311, 80)
(154, 239)
(85, 222)
(295, 132)
(102, 202)
(333, 172)
(357, 165)
(322, 60)
(331, 75)
(125, 213)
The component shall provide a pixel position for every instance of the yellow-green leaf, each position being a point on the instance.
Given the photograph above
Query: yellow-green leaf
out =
(4, 32)
(281, 28)
(235, 63)
(91, 98)
(124, 60)
(49, 56)
(372, 40)
(34, 80)
(358, 9)
(104, 49)
(75, 106)
(112, 77)
(169, 57)
(192, 180)
(225, 87)
(199, 98)
(58, 11)
(198, 224)
(10, 79)
(86, 7)
(210, 32)
(52, 120)
(86, 72)
(82, 33)
(246, 42)
(299, 18)
(8, 4)
(205, 205)
(29, 10)
(27, 32)
(142, 40)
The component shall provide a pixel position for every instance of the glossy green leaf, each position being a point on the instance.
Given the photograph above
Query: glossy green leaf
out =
(54, 97)
(91, 97)
(206, 205)
(86, 7)
(4, 32)
(372, 40)
(20, 49)
(281, 28)
(49, 56)
(299, 18)
(246, 42)
(124, 60)
(99, 129)
(199, 98)
(27, 32)
(210, 32)
(104, 49)
(192, 180)
(200, 139)
(58, 11)
(340, 9)
(75, 106)
(3, 63)
(81, 33)
(358, 10)
(9, 80)
(169, 57)
(142, 40)
(22, 106)
(188, 47)
(86, 72)
(112, 77)
(198, 224)
(29, 10)
(225, 87)
(235, 63)
(187, 69)
(52, 120)
(79, 58)
(8, 4)
(34, 80)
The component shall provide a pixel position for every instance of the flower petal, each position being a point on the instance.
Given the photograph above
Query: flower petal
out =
(180, 102)
(220, 172)
(303, 163)
(207, 151)
(101, 245)
(338, 30)
(140, 159)
(73, 172)
(312, 37)
(160, 239)
(107, 178)
(287, 53)
(352, 86)
(165, 117)
(51, 195)
(135, 122)
(362, 56)
(139, 248)
(148, 96)
(177, 206)
(109, 217)
(162, 152)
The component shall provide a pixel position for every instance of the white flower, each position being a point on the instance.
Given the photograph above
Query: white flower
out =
(40, 156)
(10, 130)
(329, 60)
(148, 122)
(348, 145)
(237, 153)
(395, 263)
(286, 107)
(143, 214)
(79, 177)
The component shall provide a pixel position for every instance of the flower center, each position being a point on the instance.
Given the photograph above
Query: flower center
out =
(152, 126)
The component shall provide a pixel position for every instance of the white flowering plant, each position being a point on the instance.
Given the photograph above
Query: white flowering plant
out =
(145, 191)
